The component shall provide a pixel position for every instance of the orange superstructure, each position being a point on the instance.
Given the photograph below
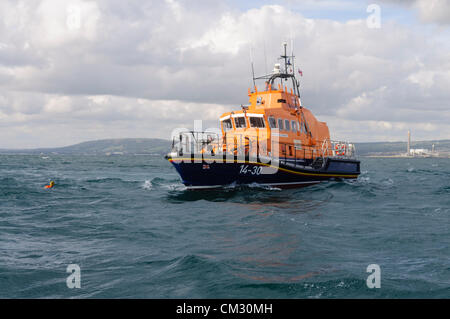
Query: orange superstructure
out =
(277, 111)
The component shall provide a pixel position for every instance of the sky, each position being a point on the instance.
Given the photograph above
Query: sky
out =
(75, 70)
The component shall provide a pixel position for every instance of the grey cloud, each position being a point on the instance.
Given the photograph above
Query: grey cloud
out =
(429, 11)
(193, 58)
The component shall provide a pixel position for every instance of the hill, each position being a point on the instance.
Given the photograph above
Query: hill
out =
(121, 146)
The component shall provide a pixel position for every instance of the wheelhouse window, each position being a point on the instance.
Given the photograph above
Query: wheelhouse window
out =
(286, 125)
(272, 122)
(280, 124)
(256, 122)
(303, 128)
(226, 125)
(239, 122)
(294, 126)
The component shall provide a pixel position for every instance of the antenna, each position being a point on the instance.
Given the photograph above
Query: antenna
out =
(253, 69)
(292, 55)
(265, 55)
(293, 69)
(297, 84)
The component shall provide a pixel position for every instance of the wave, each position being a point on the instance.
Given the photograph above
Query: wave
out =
(159, 183)
(8, 181)
(348, 287)
(105, 180)
(222, 277)
(234, 192)
(185, 265)
(147, 185)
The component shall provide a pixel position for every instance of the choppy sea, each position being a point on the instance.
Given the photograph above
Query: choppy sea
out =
(136, 232)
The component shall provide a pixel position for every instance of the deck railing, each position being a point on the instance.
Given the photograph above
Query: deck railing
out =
(192, 143)
(338, 148)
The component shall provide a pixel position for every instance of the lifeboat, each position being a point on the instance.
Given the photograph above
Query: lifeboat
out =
(274, 140)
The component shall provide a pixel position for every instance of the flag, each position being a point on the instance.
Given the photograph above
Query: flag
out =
(300, 72)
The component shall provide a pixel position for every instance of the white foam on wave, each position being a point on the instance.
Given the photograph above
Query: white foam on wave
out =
(388, 182)
(175, 187)
(147, 185)
(362, 180)
(252, 185)
(230, 186)
(266, 187)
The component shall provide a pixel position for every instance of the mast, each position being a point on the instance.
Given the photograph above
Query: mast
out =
(253, 70)
(285, 58)
(283, 74)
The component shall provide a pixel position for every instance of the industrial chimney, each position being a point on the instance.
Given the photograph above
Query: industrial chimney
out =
(408, 151)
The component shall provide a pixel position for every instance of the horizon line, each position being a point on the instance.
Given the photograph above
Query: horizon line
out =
(158, 138)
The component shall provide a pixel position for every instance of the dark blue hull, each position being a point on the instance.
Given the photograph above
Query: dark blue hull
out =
(199, 174)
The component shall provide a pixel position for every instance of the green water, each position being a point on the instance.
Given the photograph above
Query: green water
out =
(136, 232)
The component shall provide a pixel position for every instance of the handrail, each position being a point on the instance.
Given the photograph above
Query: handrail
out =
(210, 142)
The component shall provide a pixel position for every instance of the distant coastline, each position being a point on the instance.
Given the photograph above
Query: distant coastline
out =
(424, 149)
(443, 155)
(108, 147)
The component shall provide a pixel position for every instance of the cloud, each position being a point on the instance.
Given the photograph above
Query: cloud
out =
(437, 11)
(50, 119)
(121, 69)
(429, 11)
